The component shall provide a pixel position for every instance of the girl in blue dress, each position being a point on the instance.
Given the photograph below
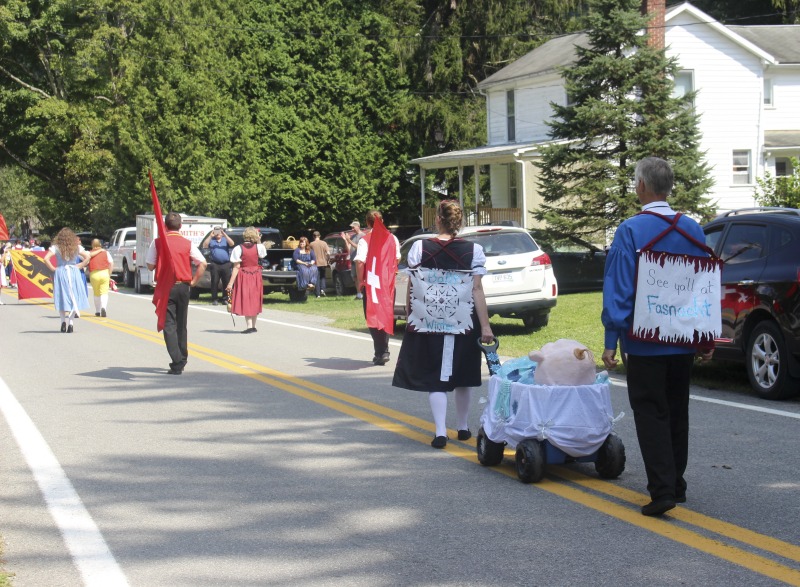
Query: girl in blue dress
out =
(69, 283)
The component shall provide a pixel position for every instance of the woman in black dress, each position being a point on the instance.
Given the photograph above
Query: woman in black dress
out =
(447, 316)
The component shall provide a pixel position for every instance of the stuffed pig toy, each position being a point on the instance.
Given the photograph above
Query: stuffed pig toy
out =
(563, 362)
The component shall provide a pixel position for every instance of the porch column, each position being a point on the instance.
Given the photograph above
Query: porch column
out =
(422, 190)
(477, 192)
(461, 186)
(522, 195)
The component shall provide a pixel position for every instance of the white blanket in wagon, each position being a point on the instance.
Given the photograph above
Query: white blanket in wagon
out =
(575, 419)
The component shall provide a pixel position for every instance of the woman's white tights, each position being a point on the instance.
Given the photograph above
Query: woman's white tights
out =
(438, 401)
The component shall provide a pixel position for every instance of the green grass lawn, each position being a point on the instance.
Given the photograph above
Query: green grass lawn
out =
(576, 316)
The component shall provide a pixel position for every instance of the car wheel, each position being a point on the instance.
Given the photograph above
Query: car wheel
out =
(536, 320)
(610, 461)
(767, 363)
(338, 284)
(128, 275)
(137, 283)
(530, 460)
(490, 453)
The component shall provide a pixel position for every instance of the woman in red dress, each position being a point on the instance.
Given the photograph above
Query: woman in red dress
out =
(246, 288)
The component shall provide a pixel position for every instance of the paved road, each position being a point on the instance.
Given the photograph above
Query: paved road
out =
(286, 458)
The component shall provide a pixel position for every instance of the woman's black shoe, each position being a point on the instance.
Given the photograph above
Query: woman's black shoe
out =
(63, 327)
(439, 442)
(69, 329)
(464, 434)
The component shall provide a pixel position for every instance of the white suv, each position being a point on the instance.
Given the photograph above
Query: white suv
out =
(519, 281)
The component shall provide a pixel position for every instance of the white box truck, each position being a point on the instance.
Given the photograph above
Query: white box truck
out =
(192, 227)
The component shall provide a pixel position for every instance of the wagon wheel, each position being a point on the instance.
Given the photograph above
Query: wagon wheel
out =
(490, 453)
(530, 460)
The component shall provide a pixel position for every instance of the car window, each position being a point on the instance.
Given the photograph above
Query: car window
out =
(503, 243)
(713, 235)
(744, 243)
(335, 244)
(780, 238)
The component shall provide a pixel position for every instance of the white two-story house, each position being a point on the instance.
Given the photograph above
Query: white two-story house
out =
(748, 97)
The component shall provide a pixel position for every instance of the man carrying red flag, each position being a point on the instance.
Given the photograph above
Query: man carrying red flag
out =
(171, 254)
(376, 266)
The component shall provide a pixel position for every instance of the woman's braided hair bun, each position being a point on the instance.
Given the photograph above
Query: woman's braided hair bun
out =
(450, 216)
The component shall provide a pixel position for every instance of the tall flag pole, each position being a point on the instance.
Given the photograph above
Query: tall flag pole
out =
(380, 268)
(165, 270)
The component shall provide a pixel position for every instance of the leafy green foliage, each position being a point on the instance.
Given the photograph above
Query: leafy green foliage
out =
(780, 191)
(296, 114)
(622, 110)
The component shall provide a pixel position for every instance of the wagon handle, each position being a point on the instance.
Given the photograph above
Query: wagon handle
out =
(490, 350)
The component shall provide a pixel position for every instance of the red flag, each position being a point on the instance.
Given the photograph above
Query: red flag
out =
(34, 278)
(165, 270)
(379, 273)
(3, 229)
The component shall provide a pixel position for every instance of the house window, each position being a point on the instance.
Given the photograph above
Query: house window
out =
(510, 116)
(512, 185)
(741, 167)
(684, 83)
(769, 99)
(782, 167)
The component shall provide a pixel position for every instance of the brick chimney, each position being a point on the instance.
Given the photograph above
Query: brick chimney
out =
(656, 9)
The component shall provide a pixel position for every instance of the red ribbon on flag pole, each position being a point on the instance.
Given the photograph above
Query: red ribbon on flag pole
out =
(380, 268)
(165, 270)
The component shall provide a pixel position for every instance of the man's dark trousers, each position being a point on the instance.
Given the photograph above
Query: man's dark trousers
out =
(658, 389)
(175, 325)
(219, 271)
(380, 338)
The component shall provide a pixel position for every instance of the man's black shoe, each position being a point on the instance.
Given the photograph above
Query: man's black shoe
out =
(680, 498)
(174, 372)
(658, 507)
(384, 358)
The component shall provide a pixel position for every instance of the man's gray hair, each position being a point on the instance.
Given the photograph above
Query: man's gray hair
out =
(656, 174)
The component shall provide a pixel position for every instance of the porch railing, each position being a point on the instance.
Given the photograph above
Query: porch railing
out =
(485, 215)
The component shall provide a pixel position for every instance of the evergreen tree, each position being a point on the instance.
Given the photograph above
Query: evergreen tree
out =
(621, 110)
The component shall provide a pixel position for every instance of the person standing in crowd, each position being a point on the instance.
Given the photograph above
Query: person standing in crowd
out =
(438, 363)
(100, 264)
(380, 338)
(5, 257)
(183, 254)
(351, 242)
(658, 373)
(219, 245)
(304, 261)
(69, 283)
(322, 254)
(246, 288)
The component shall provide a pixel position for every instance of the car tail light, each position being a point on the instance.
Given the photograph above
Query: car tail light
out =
(134, 255)
(542, 260)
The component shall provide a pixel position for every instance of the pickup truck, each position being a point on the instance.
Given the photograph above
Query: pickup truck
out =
(123, 251)
(276, 268)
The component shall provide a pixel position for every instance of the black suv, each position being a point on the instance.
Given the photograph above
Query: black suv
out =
(760, 295)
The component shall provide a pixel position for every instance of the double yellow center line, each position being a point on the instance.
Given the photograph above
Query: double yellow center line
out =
(684, 526)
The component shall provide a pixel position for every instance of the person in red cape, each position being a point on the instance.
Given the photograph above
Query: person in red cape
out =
(171, 254)
(376, 264)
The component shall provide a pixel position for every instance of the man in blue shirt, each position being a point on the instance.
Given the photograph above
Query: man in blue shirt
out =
(658, 373)
(219, 245)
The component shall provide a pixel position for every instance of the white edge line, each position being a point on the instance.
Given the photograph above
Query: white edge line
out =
(723, 402)
(81, 535)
